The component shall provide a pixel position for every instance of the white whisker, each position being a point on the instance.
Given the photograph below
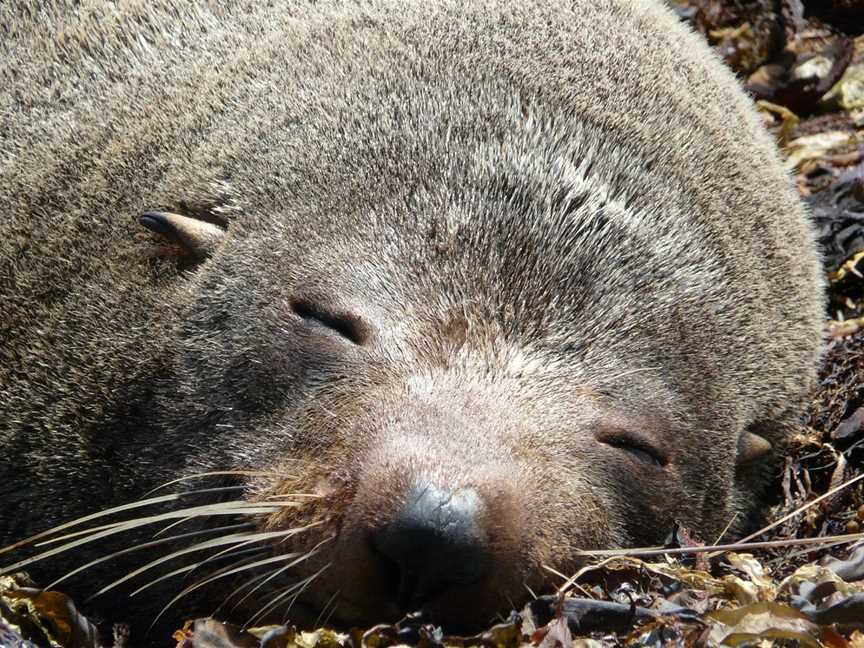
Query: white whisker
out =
(296, 558)
(237, 539)
(216, 473)
(225, 508)
(273, 575)
(330, 601)
(285, 593)
(188, 569)
(145, 545)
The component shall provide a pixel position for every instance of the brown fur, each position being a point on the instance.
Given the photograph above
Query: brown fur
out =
(559, 229)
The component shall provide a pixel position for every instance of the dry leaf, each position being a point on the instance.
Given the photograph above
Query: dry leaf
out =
(763, 620)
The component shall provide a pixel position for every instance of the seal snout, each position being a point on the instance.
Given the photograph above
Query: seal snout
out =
(434, 544)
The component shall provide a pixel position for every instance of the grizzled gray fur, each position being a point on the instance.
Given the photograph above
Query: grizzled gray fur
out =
(528, 269)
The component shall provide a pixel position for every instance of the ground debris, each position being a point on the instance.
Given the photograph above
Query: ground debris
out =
(640, 603)
(30, 617)
(763, 620)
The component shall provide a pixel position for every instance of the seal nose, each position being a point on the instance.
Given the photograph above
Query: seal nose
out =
(434, 544)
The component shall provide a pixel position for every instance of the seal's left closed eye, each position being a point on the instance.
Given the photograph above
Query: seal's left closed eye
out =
(634, 444)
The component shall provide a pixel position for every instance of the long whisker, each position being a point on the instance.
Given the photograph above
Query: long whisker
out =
(174, 524)
(273, 575)
(571, 581)
(510, 603)
(297, 587)
(211, 490)
(104, 513)
(297, 557)
(78, 534)
(293, 532)
(145, 545)
(216, 473)
(294, 598)
(224, 508)
(333, 609)
(188, 569)
(237, 591)
(233, 540)
(309, 495)
(323, 610)
(93, 516)
(302, 585)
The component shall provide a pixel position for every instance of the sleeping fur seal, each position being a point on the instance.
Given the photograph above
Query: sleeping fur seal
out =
(441, 292)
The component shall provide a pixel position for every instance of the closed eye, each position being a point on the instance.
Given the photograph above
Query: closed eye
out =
(346, 325)
(633, 444)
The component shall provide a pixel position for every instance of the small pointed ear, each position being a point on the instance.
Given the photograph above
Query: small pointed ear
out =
(199, 238)
(752, 447)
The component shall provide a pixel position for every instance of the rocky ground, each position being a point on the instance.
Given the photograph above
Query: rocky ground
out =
(800, 581)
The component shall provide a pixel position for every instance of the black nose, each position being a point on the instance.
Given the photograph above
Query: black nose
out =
(434, 544)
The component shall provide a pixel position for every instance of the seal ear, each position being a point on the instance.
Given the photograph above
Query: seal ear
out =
(751, 447)
(197, 237)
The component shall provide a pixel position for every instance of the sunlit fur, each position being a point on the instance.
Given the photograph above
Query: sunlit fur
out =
(554, 218)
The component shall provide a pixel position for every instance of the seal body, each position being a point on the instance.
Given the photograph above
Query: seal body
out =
(487, 283)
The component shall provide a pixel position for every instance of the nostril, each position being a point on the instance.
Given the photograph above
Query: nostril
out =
(347, 325)
(433, 545)
(394, 577)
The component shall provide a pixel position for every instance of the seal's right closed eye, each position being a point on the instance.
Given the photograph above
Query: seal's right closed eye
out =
(346, 325)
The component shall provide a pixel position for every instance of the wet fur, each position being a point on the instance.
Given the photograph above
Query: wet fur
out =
(551, 216)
